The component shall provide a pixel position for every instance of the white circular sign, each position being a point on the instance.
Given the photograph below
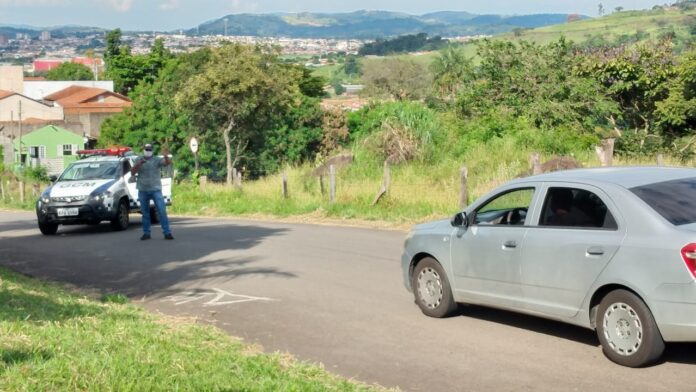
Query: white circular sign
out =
(194, 145)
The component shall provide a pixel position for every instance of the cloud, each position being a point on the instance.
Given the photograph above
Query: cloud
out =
(169, 5)
(32, 3)
(121, 5)
(243, 5)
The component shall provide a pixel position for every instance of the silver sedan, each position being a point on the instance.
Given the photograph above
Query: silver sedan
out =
(611, 249)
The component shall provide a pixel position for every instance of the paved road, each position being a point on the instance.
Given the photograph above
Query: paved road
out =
(331, 295)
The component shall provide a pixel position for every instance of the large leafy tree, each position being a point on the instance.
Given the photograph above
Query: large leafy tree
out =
(128, 70)
(397, 78)
(636, 77)
(676, 114)
(154, 117)
(242, 93)
(526, 80)
(70, 71)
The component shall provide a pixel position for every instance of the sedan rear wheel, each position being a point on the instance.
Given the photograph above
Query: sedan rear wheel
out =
(627, 330)
(432, 289)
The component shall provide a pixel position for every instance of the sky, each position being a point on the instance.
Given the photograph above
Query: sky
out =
(166, 15)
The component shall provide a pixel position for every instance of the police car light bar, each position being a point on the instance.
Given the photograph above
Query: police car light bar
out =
(116, 151)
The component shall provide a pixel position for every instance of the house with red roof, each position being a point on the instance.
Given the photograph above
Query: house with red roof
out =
(89, 106)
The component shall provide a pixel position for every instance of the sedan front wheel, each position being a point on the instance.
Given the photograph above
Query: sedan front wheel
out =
(627, 330)
(432, 289)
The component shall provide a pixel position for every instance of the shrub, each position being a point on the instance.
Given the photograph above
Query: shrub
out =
(402, 130)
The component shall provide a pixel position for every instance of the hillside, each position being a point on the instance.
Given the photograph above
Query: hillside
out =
(616, 27)
(372, 24)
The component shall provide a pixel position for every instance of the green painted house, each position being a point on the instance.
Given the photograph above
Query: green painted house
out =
(50, 146)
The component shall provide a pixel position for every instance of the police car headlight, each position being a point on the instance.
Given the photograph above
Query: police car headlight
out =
(101, 196)
(45, 197)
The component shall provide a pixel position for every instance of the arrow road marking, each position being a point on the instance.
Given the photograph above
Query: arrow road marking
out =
(218, 300)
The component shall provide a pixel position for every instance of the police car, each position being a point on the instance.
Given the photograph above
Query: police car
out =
(98, 187)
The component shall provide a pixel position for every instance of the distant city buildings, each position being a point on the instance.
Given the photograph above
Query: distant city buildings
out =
(44, 52)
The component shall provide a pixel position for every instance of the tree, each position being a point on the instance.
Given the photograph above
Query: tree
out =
(402, 44)
(676, 114)
(352, 67)
(600, 9)
(70, 71)
(310, 85)
(537, 83)
(154, 117)
(338, 87)
(113, 44)
(636, 77)
(619, 9)
(241, 92)
(398, 78)
(450, 70)
(127, 70)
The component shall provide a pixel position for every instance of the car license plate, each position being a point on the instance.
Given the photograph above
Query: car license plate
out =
(68, 212)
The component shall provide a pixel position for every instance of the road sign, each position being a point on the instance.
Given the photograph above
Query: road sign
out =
(194, 145)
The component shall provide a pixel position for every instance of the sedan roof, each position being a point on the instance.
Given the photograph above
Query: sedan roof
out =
(625, 176)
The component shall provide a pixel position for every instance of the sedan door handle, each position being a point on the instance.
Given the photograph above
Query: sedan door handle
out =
(595, 251)
(509, 245)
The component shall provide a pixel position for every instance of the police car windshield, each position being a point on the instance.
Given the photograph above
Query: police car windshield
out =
(90, 171)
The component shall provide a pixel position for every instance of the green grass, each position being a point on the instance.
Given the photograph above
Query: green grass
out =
(654, 23)
(55, 340)
(418, 192)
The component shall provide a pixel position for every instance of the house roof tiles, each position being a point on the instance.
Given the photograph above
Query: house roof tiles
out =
(75, 98)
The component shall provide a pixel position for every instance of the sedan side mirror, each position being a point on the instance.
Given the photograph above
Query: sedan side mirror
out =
(53, 177)
(460, 220)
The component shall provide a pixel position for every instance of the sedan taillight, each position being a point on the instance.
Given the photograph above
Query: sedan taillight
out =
(689, 255)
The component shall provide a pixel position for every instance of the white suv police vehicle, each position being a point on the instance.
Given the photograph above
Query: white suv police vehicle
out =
(99, 187)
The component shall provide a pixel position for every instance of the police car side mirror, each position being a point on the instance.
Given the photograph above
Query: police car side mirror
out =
(53, 177)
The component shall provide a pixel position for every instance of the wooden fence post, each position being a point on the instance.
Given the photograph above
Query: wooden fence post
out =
(660, 160)
(238, 179)
(21, 192)
(535, 160)
(386, 183)
(285, 186)
(203, 180)
(321, 185)
(2, 188)
(605, 152)
(332, 183)
(464, 190)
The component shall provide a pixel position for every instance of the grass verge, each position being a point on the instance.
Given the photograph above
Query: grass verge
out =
(56, 340)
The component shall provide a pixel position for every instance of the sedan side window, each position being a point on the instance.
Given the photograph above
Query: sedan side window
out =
(571, 207)
(509, 208)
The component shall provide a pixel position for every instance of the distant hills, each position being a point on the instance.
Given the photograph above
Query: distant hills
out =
(359, 24)
(56, 31)
(372, 24)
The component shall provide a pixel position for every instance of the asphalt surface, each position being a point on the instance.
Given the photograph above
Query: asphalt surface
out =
(329, 295)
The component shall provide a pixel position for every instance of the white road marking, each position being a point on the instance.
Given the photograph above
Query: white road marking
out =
(218, 300)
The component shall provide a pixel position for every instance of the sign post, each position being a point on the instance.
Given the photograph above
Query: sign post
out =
(194, 149)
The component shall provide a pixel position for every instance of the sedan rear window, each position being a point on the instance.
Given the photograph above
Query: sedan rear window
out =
(675, 200)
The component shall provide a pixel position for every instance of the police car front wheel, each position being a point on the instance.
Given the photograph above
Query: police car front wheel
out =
(48, 228)
(120, 221)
